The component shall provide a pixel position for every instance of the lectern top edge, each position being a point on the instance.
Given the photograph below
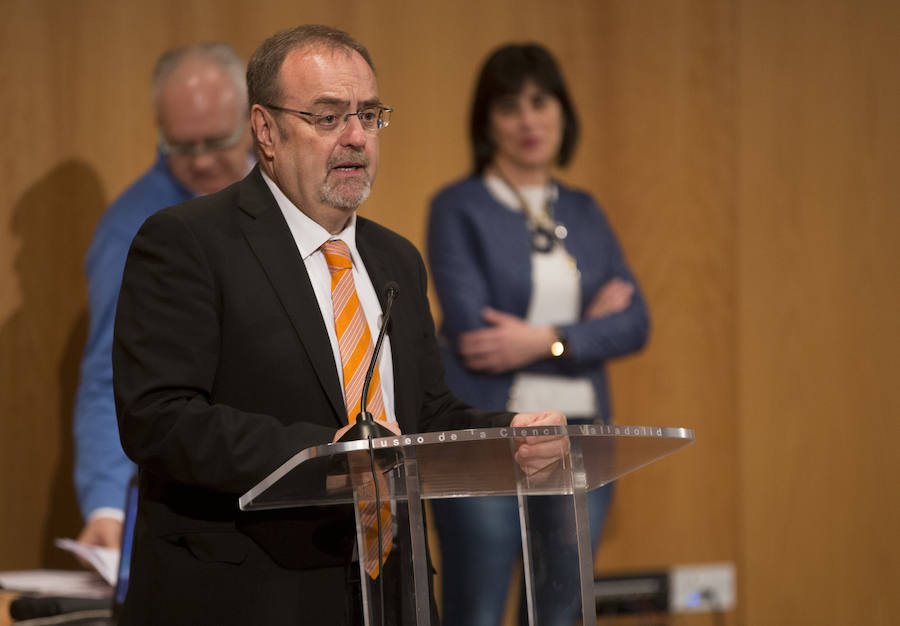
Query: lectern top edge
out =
(399, 442)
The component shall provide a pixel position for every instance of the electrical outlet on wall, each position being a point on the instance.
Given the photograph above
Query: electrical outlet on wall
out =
(702, 588)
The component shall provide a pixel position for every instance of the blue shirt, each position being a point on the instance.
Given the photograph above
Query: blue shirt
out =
(102, 470)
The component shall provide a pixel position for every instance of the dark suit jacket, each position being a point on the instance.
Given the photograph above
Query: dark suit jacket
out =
(222, 371)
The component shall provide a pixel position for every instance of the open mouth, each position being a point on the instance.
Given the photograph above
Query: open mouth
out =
(348, 167)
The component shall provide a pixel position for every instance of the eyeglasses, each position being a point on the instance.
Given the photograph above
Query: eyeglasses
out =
(201, 146)
(372, 119)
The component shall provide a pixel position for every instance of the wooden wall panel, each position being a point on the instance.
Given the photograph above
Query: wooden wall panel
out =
(645, 86)
(660, 143)
(742, 151)
(49, 201)
(819, 304)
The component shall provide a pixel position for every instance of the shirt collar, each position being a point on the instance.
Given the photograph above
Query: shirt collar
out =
(536, 196)
(309, 234)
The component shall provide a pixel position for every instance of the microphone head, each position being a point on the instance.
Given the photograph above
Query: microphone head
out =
(391, 290)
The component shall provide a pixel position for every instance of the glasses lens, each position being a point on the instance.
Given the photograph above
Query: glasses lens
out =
(328, 121)
(369, 118)
(202, 146)
(384, 117)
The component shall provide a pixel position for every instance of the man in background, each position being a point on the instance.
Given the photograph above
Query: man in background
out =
(200, 100)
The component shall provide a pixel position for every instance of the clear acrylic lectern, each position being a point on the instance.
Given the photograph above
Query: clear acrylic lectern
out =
(472, 463)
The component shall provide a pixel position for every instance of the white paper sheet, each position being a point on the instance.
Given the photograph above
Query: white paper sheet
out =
(104, 560)
(74, 583)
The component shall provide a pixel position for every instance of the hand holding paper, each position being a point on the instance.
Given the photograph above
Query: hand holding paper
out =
(104, 560)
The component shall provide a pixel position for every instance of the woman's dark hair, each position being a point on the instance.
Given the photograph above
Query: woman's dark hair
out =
(504, 74)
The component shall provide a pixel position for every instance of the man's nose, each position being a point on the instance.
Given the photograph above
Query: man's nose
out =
(353, 133)
(203, 160)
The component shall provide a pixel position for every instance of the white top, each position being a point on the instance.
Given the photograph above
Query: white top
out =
(555, 300)
(309, 237)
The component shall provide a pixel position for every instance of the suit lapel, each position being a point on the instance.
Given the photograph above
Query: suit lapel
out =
(381, 270)
(375, 259)
(270, 239)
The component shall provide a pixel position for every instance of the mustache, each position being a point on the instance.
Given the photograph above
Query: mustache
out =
(349, 157)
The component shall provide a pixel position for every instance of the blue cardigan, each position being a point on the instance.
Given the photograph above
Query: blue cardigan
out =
(480, 255)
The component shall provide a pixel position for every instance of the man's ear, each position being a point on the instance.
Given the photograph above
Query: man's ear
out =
(263, 126)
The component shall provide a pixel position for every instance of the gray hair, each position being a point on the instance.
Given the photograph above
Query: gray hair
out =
(216, 52)
(264, 65)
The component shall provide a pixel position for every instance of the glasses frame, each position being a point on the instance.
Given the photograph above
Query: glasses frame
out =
(380, 124)
(202, 146)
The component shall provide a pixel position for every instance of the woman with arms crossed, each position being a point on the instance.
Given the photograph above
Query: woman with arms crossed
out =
(536, 297)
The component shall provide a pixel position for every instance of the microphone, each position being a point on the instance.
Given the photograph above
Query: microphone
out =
(366, 427)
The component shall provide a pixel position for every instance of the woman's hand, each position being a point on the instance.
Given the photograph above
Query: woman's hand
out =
(613, 297)
(508, 343)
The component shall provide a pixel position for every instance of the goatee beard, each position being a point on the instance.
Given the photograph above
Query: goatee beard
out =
(348, 199)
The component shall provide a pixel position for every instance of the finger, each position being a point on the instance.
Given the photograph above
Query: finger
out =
(543, 440)
(614, 286)
(542, 455)
(478, 351)
(620, 291)
(340, 432)
(527, 419)
(523, 419)
(482, 352)
(475, 360)
(621, 303)
(539, 417)
(531, 462)
(624, 292)
(474, 349)
(483, 363)
(537, 447)
(618, 303)
(493, 316)
(476, 341)
(537, 434)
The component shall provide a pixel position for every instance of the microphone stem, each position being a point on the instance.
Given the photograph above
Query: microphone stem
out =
(363, 414)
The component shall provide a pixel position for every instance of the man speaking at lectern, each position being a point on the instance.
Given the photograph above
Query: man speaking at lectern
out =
(229, 357)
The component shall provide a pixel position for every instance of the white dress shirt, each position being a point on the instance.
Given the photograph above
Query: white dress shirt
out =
(555, 300)
(309, 237)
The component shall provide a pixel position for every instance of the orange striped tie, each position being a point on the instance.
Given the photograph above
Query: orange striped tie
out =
(356, 347)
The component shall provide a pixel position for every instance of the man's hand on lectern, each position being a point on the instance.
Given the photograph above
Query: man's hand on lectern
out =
(535, 453)
(394, 427)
